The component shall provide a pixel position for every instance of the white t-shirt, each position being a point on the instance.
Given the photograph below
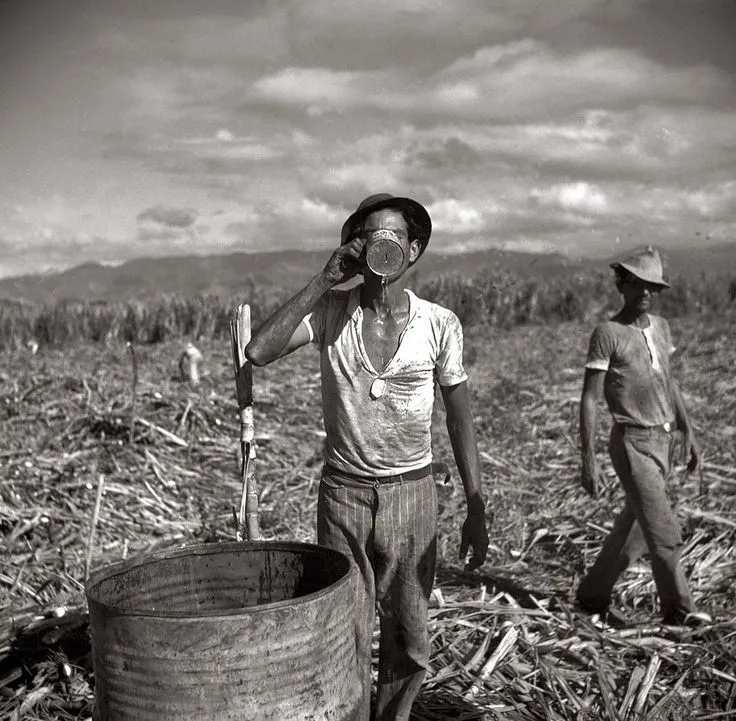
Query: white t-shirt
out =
(379, 423)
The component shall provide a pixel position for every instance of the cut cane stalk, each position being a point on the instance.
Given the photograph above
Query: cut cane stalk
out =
(240, 332)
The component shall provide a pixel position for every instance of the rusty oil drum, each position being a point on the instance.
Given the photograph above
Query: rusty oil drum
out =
(249, 631)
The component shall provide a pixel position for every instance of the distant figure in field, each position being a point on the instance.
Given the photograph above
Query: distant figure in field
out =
(189, 363)
(628, 362)
(382, 351)
(32, 346)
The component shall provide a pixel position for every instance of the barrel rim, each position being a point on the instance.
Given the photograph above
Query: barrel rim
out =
(203, 549)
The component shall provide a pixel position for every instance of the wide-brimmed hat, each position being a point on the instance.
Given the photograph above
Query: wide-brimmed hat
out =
(645, 265)
(384, 200)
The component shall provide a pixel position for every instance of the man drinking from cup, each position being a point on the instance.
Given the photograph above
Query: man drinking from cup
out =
(382, 351)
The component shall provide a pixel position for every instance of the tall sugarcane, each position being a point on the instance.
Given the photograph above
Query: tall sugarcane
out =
(247, 519)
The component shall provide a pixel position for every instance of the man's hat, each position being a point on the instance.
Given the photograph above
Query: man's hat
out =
(645, 265)
(384, 200)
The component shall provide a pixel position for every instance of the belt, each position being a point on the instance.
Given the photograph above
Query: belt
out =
(667, 427)
(383, 480)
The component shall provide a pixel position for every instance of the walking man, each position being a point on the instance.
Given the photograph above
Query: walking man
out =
(382, 349)
(628, 362)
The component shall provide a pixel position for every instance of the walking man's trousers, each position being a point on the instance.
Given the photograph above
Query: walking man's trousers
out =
(647, 523)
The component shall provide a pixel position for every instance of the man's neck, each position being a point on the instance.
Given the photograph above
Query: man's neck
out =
(384, 299)
(631, 316)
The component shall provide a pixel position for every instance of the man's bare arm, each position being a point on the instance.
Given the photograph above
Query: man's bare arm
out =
(591, 395)
(282, 332)
(690, 447)
(461, 429)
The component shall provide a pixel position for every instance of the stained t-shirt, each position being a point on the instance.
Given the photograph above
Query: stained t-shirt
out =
(637, 385)
(378, 423)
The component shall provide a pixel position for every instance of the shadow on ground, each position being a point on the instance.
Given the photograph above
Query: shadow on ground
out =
(499, 582)
(440, 705)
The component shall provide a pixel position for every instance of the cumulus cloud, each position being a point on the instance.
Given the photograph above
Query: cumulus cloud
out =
(319, 216)
(317, 89)
(455, 217)
(718, 201)
(577, 197)
(224, 135)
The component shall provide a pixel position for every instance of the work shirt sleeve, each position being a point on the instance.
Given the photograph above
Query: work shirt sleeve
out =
(600, 349)
(315, 321)
(449, 369)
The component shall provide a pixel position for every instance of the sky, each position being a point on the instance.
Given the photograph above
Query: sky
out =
(143, 129)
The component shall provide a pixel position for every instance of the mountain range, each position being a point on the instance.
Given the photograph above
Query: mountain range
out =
(226, 275)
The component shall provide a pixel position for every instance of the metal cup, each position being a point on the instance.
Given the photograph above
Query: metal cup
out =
(384, 254)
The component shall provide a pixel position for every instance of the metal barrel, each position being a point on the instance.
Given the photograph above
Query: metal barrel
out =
(249, 631)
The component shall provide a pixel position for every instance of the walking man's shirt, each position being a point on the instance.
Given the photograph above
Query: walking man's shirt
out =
(636, 360)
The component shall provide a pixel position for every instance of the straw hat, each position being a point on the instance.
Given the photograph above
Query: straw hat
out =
(384, 200)
(645, 265)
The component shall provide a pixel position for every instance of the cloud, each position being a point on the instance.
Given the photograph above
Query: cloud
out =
(356, 178)
(319, 90)
(576, 197)
(513, 81)
(717, 202)
(338, 33)
(686, 145)
(224, 147)
(224, 135)
(283, 223)
(212, 161)
(319, 216)
(399, 32)
(170, 217)
(49, 250)
(455, 217)
(449, 154)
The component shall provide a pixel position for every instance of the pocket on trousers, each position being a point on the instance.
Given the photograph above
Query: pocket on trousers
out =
(328, 480)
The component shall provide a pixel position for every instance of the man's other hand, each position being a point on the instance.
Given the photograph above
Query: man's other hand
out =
(591, 478)
(690, 452)
(474, 534)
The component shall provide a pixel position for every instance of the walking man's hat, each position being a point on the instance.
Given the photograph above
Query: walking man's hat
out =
(384, 200)
(645, 265)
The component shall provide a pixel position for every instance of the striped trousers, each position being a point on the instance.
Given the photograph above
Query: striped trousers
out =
(389, 531)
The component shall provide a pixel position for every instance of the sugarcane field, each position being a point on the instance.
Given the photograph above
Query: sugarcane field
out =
(115, 451)
(368, 361)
